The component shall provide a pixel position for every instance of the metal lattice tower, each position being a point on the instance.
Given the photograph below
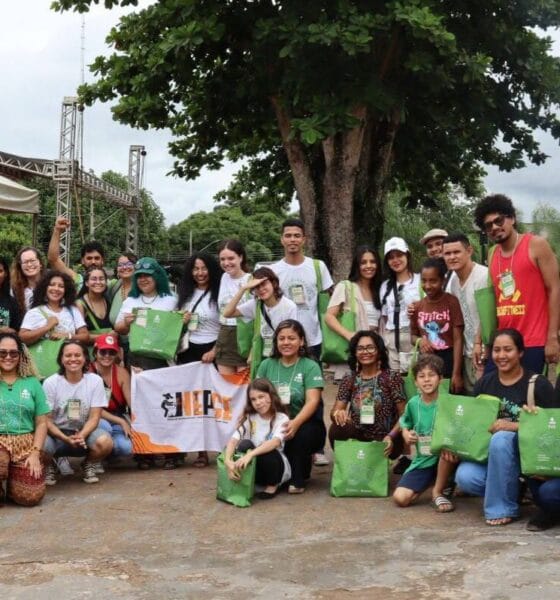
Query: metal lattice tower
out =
(135, 168)
(63, 172)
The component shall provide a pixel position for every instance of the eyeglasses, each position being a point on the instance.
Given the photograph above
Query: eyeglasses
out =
(28, 263)
(125, 265)
(371, 349)
(498, 222)
(10, 353)
(108, 352)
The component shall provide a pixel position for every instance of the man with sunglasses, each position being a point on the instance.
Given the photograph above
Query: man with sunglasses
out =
(524, 272)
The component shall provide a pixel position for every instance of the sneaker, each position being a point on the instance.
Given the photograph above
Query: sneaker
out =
(98, 467)
(64, 466)
(541, 521)
(320, 460)
(50, 475)
(88, 472)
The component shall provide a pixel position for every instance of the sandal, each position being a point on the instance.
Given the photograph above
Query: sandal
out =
(295, 490)
(201, 461)
(502, 521)
(442, 504)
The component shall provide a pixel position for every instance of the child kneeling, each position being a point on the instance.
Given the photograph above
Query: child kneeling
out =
(260, 434)
(417, 424)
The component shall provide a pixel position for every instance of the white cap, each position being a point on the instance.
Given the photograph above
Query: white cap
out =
(395, 243)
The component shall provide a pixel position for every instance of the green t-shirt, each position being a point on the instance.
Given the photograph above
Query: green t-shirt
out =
(304, 375)
(20, 405)
(420, 417)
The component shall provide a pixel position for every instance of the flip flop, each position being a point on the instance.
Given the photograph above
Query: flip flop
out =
(442, 504)
(267, 495)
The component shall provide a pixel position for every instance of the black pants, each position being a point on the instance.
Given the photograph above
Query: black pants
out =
(310, 438)
(194, 353)
(270, 466)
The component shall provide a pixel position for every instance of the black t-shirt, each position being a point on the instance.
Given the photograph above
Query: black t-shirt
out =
(9, 313)
(513, 397)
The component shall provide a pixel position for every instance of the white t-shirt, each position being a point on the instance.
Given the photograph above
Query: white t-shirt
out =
(408, 292)
(157, 303)
(299, 283)
(208, 325)
(477, 279)
(228, 288)
(257, 429)
(69, 319)
(285, 309)
(89, 391)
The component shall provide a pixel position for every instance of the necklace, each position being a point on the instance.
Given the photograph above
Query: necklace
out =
(144, 301)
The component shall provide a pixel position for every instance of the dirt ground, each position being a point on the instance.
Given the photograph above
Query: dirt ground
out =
(162, 534)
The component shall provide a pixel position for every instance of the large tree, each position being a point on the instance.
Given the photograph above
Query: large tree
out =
(359, 94)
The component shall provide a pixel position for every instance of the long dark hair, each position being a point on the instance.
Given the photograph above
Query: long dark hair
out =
(85, 288)
(64, 345)
(516, 338)
(375, 282)
(187, 285)
(40, 294)
(267, 273)
(300, 331)
(5, 287)
(382, 353)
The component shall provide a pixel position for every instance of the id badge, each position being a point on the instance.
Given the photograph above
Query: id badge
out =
(108, 394)
(284, 393)
(267, 346)
(73, 410)
(508, 284)
(193, 322)
(424, 442)
(297, 293)
(367, 414)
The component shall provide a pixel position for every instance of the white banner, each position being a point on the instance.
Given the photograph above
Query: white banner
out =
(185, 408)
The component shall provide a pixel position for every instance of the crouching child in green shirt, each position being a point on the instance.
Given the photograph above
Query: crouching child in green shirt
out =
(417, 423)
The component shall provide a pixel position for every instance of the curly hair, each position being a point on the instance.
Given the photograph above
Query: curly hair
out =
(25, 367)
(495, 203)
(382, 353)
(40, 294)
(429, 361)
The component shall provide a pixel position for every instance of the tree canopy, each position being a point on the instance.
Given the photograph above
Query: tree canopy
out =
(361, 96)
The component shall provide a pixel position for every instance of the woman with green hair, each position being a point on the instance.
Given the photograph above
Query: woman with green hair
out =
(150, 289)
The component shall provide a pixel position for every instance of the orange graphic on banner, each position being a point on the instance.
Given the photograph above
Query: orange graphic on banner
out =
(142, 444)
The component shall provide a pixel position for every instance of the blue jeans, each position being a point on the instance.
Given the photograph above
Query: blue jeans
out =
(122, 446)
(498, 480)
(56, 447)
(546, 494)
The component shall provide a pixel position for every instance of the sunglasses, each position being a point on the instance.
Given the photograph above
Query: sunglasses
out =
(10, 353)
(145, 266)
(498, 222)
(108, 352)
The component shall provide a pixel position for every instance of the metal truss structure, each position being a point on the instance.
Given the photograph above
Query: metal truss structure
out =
(68, 176)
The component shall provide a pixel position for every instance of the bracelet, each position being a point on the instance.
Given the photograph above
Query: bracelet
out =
(35, 449)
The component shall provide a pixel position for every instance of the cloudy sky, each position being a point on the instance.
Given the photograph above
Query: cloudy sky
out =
(41, 63)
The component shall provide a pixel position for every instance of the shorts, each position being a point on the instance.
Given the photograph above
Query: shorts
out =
(405, 346)
(419, 480)
(226, 348)
(55, 447)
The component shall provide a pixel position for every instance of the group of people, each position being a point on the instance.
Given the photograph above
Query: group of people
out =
(424, 326)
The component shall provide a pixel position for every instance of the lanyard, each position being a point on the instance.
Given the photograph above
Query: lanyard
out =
(293, 373)
(433, 418)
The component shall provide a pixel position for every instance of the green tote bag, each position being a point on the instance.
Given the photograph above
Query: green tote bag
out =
(461, 425)
(239, 493)
(360, 469)
(335, 348)
(257, 342)
(44, 354)
(155, 333)
(539, 438)
(244, 332)
(485, 299)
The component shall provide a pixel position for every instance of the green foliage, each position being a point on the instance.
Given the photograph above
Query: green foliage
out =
(259, 233)
(546, 222)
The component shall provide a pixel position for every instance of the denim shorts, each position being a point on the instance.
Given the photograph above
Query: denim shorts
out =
(55, 447)
(418, 480)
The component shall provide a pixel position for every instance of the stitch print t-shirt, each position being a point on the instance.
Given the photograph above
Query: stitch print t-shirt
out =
(435, 320)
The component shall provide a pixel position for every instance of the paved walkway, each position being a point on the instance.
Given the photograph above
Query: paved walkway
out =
(161, 534)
